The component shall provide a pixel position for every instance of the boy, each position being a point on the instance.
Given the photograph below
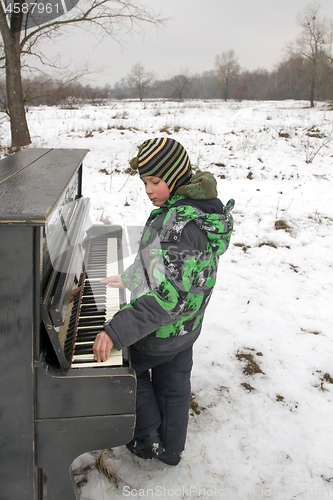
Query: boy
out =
(171, 282)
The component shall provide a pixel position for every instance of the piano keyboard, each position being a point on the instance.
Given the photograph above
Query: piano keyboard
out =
(98, 304)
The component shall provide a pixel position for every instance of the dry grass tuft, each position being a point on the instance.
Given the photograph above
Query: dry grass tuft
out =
(194, 406)
(282, 224)
(251, 367)
(105, 469)
(247, 386)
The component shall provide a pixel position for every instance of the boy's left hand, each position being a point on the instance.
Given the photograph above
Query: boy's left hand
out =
(113, 281)
(102, 347)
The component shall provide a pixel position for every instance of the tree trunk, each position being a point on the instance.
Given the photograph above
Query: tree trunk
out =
(312, 88)
(18, 123)
(312, 97)
(11, 42)
(313, 84)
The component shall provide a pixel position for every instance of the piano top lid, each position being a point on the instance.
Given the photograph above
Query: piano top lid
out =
(33, 180)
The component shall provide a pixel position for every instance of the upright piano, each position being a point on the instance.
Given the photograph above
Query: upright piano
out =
(56, 402)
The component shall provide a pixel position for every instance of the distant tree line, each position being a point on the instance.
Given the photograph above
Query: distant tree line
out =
(290, 80)
(50, 92)
(305, 73)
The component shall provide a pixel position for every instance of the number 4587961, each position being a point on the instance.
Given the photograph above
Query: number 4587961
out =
(32, 7)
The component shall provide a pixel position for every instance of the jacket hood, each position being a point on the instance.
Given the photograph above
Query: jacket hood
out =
(211, 206)
(217, 225)
(202, 186)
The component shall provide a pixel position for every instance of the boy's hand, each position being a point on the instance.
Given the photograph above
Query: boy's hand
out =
(113, 281)
(102, 347)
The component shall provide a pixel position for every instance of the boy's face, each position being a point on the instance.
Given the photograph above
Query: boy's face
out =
(157, 190)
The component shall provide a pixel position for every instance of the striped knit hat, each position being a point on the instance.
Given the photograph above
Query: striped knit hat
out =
(164, 158)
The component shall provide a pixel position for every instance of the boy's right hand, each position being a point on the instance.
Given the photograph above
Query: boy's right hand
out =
(102, 347)
(113, 281)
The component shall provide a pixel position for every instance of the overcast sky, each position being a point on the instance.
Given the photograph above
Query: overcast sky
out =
(257, 30)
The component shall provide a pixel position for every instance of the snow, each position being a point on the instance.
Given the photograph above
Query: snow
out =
(252, 435)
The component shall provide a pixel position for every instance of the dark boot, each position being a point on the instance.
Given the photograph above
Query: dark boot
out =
(149, 449)
(169, 458)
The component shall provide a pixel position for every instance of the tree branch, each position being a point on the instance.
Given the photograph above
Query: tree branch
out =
(98, 13)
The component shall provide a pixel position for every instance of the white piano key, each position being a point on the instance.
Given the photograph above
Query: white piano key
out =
(81, 357)
(115, 361)
(115, 358)
(108, 301)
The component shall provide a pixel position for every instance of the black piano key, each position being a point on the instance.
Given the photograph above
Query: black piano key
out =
(96, 290)
(90, 296)
(84, 333)
(97, 287)
(96, 251)
(92, 312)
(93, 307)
(88, 337)
(91, 285)
(91, 299)
(71, 324)
(83, 349)
(98, 320)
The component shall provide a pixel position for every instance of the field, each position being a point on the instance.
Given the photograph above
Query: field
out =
(261, 413)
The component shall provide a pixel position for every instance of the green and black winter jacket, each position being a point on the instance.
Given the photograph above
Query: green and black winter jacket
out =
(173, 275)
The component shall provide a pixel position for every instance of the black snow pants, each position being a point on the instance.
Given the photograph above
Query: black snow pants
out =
(163, 396)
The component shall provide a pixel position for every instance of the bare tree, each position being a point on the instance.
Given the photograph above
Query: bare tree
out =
(114, 18)
(226, 72)
(313, 44)
(180, 84)
(291, 77)
(140, 80)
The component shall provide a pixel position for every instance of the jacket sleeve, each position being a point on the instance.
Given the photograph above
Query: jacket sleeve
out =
(128, 277)
(135, 321)
(162, 301)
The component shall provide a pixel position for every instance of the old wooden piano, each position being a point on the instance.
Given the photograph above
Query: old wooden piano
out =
(55, 403)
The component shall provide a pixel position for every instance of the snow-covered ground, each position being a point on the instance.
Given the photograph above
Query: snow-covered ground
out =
(261, 422)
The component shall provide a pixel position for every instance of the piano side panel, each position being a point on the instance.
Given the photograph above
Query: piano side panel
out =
(85, 392)
(16, 363)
